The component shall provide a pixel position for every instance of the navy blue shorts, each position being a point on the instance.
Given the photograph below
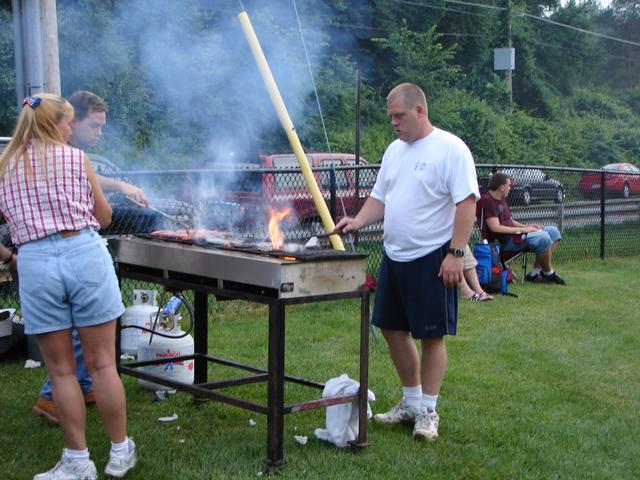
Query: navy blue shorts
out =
(411, 297)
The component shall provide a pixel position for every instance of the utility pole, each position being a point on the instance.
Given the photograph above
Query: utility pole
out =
(509, 71)
(35, 47)
(50, 50)
(505, 58)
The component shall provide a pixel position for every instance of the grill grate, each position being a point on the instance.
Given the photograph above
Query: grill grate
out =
(292, 251)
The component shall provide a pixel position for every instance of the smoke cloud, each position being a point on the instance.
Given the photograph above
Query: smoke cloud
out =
(191, 71)
(181, 81)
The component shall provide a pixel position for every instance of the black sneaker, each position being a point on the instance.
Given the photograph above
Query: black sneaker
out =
(553, 278)
(533, 277)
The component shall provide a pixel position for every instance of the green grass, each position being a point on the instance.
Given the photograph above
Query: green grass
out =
(541, 386)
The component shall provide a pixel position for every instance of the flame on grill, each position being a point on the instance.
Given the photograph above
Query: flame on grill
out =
(275, 233)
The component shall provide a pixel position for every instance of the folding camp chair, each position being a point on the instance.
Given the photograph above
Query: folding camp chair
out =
(506, 258)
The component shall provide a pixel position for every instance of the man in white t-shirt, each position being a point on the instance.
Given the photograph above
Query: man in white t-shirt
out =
(426, 191)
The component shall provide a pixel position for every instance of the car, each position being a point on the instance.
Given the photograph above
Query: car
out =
(622, 179)
(241, 195)
(529, 186)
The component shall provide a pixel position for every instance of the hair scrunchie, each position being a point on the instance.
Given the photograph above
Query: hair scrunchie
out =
(33, 102)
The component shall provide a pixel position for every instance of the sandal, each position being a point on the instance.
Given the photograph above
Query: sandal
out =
(485, 297)
(480, 297)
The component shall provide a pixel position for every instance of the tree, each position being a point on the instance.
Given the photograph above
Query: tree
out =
(7, 75)
(567, 56)
(418, 57)
(622, 61)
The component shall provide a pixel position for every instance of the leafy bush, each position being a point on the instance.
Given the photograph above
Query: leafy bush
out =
(595, 102)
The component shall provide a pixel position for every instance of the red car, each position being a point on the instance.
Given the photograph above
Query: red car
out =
(620, 179)
(243, 197)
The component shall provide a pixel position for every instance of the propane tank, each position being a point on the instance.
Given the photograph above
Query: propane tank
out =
(144, 304)
(166, 348)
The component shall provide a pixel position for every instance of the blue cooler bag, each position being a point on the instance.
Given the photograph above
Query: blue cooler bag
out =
(491, 274)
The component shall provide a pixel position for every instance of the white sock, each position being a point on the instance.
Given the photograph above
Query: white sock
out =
(413, 395)
(79, 456)
(536, 271)
(429, 402)
(550, 272)
(120, 448)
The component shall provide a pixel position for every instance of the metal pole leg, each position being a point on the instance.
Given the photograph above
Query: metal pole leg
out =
(201, 336)
(361, 441)
(275, 388)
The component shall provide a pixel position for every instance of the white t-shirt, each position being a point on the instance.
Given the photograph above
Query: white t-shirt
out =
(420, 184)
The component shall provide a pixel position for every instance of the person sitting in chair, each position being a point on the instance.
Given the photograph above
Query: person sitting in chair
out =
(496, 223)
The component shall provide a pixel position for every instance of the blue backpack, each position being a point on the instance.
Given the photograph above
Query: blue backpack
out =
(492, 275)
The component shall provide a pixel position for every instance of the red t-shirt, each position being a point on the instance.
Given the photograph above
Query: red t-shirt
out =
(490, 207)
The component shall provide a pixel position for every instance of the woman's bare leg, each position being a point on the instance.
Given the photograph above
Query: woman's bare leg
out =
(57, 352)
(464, 289)
(98, 345)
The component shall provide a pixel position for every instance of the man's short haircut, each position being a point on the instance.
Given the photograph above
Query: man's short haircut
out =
(85, 103)
(497, 180)
(411, 93)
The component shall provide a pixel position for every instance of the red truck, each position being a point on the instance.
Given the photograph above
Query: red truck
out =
(243, 194)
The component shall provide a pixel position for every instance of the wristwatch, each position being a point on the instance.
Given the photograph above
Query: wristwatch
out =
(457, 252)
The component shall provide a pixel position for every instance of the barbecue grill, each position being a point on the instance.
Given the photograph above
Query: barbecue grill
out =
(241, 270)
(245, 267)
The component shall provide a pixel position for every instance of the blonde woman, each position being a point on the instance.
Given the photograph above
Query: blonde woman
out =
(53, 204)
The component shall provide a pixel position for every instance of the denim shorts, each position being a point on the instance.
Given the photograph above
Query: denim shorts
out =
(536, 242)
(67, 282)
(410, 297)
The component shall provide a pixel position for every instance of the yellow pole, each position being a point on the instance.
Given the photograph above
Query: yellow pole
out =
(289, 129)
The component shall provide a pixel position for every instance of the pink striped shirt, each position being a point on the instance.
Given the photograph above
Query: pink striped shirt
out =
(57, 197)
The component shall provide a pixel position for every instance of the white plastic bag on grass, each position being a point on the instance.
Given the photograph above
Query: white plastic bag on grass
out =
(342, 419)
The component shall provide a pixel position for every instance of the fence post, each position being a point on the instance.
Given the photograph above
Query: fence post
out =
(602, 213)
(356, 198)
(561, 216)
(332, 193)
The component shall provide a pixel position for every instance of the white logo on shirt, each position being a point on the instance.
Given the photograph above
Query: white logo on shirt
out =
(422, 166)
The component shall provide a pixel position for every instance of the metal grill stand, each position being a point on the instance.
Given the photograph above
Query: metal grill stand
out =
(274, 375)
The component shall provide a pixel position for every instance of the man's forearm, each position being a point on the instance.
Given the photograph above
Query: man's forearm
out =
(109, 184)
(372, 211)
(463, 222)
(495, 227)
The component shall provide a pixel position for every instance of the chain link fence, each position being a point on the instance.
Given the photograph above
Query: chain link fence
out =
(594, 221)
(597, 211)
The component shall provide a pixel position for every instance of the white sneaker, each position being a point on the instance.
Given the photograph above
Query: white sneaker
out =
(67, 469)
(119, 465)
(426, 427)
(400, 412)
